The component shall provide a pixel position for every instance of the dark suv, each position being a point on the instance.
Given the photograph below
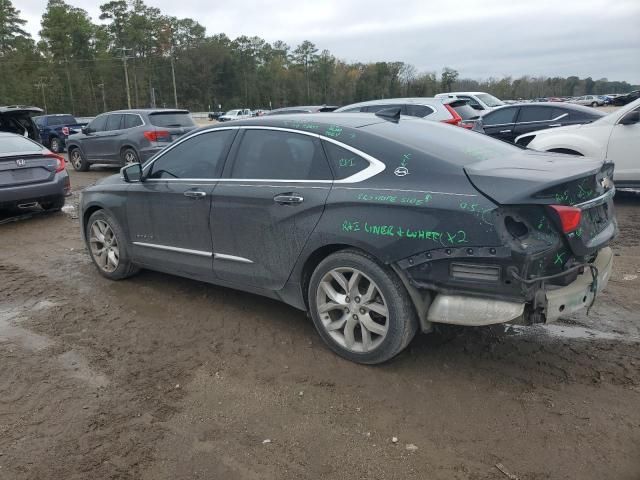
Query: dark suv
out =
(19, 119)
(127, 136)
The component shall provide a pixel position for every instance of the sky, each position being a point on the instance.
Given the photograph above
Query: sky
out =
(479, 38)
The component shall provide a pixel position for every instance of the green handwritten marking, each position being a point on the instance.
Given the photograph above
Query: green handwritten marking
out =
(404, 200)
(444, 238)
(347, 162)
(427, 198)
(541, 223)
(584, 193)
(579, 232)
(333, 131)
(405, 158)
(301, 125)
(349, 226)
(559, 258)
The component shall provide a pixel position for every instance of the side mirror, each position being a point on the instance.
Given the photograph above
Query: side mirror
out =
(86, 130)
(630, 118)
(132, 173)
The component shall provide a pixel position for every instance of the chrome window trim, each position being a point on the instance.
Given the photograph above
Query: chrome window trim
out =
(528, 123)
(200, 253)
(231, 258)
(375, 166)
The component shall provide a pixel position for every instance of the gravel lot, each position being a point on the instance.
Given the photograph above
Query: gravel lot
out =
(159, 377)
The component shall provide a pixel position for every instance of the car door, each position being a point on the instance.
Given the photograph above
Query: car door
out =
(500, 123)
(89, 142)
(267, 204)
(107, 143)
(168, 213)
(532, 118)
(623, 148)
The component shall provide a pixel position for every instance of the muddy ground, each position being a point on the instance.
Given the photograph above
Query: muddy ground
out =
(158, 378)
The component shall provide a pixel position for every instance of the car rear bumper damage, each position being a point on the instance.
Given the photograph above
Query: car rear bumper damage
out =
(460, 309)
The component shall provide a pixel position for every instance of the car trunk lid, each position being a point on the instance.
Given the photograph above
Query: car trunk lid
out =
(171, 124)
(24, 169)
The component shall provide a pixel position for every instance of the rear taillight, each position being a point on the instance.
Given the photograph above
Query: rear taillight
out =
(569, 217)
(65, 131)
(467, 125)
(456, 118)
(59, 161)
(157, 135)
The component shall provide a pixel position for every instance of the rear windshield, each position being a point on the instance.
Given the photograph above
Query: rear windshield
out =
(61, 120)
(16, 144)
(171, 119)
(466, 112)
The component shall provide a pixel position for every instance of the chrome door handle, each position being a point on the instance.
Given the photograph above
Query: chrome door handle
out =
(288, 199)
(556, 125)
(195, 194)
(505, 131)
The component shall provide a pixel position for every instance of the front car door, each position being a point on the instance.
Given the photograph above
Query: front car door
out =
(168, 213)
(89, 141)
(267, 204)
(107, 141)
(623, 148)
(500, 123)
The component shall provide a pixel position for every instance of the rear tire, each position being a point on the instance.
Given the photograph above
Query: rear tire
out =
(77, 160)
(54, 206)
(128, 156)
(594, 104)
(108, 247)
(55, 145)
(360, 308)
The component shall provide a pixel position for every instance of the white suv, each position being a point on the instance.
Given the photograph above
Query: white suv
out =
(237, 114)
(614, 137)
(479, 100)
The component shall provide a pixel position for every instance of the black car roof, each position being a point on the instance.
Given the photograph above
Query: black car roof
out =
(563, 105)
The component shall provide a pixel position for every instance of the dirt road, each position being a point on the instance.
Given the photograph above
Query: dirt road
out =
(159, 377)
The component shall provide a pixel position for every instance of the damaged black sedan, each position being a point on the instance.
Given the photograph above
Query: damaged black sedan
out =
(378, 226)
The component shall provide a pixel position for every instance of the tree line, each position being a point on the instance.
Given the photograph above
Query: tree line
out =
(79, 66)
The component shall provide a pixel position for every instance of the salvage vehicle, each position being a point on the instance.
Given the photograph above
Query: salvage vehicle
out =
(55, 128)
(615, 136)
(31, 175)
(127, 136)
(508, 122)
(622, 100)
(454, 111)
(376, 225)
(19, 119)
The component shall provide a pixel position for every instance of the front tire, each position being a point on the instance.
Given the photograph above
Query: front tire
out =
(107, 246)
(360, 308)
(594, 104)
(78, 161)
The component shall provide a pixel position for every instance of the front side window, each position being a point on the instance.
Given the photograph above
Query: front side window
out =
(500, 117)
(200, 156)
(344, 163)
(114, 121)
(98, 124)
(270, 154)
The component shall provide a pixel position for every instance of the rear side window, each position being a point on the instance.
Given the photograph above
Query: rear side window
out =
(18, 144)
(98, 124)
(171, 119)
(351, 110)
(535, 114)
(131, 121)
(500, 117)
(344, 163)
(266, 154)
(466, 112)
(420, 111)
(377, 108)
(114, 121)
(200, 156)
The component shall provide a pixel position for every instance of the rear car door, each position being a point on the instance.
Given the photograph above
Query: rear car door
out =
(532, 118)
(108, 141)
(168, 213)
(267, 204)
(500, 123)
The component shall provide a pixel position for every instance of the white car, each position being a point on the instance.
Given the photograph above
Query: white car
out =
(591, 100)
(478, 100)
(614, 137)
(237, 114)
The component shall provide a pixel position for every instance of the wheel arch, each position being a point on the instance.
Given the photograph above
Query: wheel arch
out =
(90, 210)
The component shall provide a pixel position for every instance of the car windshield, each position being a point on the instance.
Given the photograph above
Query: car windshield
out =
(171, 119)
(232, 112)
(490, 100)
(15, 143)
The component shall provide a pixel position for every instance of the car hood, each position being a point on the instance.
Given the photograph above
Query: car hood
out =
(518, 178)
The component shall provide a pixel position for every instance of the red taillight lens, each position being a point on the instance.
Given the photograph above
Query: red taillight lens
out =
(569, 217)
(456, 118)
(59, 160)
(157, 136)
(65, 131)
(467, 125)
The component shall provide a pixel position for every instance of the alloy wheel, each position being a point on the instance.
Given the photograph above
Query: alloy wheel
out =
(76, 159)
(129, 157)
(352, 309)
(104, 246)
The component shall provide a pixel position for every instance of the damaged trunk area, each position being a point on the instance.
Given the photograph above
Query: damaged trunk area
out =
(554, 227)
